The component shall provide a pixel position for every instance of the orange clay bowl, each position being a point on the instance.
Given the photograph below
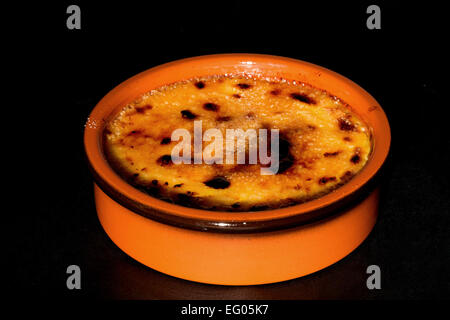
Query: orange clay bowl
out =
(244, 248)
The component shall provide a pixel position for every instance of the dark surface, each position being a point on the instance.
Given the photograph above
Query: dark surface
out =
(400, 65)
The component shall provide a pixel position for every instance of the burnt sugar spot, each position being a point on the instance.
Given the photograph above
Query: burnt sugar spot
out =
(244, 85)
(129, 160)
(164, 160)
(355, 158)
(325, 180)
(345, 124)
(134, 133)
(250, 116)
(302, 97)
(143, 109)
(237, 96)
(151, 190)
(186, 200)
(186, 114)
(236, 205)
(275, 92)
(166, 140)
(218, 183)
(200, 84)
(155, 182)
(223, 119)
(286, 160)
(348, 139)
(331, 154)
(211, 106)
(178, 185)
(346, 176)
(285, 157)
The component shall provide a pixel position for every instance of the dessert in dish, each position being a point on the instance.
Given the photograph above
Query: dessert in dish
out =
(322, 143)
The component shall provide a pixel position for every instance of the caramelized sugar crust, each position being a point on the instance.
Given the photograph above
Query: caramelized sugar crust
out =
(323, 144)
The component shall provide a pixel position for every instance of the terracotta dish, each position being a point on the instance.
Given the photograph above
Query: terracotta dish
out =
(237, 248)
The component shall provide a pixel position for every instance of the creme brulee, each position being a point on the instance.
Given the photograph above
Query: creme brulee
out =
(322, 142)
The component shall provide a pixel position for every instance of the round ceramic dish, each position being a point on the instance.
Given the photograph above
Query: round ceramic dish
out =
(237, 248)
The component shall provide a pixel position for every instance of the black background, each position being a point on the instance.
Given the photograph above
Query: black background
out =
(63, 73)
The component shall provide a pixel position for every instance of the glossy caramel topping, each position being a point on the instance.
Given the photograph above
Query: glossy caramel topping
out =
(322, 145)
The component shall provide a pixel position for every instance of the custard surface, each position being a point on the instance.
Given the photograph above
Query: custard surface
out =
(323, 144)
